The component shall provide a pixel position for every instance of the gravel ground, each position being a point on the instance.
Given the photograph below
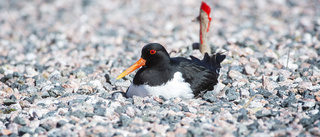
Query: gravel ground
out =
(59, 60)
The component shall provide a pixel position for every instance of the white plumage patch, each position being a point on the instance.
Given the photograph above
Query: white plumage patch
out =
(176, 87)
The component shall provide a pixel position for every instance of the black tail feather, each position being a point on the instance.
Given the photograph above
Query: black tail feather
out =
(213, 63)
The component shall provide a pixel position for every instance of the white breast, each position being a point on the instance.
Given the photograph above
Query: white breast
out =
(176, 87)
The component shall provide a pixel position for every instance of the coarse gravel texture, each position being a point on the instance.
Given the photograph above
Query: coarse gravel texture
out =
(59, 60)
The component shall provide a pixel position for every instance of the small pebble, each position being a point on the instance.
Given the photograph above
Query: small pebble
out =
(23, 130)
(61, 123)
(56, 91)
(232, 94)
(20, 121)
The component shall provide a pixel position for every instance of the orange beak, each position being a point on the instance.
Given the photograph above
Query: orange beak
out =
(138, 64)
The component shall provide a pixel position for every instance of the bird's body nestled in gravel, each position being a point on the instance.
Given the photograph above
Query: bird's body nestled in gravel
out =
(172, 77)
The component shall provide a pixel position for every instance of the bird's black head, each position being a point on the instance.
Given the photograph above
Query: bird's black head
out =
(155, 55)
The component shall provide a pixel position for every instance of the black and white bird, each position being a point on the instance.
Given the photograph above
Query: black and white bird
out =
(172, 77)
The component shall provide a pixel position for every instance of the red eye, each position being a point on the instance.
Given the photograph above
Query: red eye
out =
(152, 51)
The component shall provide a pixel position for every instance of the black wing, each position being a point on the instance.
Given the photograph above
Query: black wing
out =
(200, 78)
(202, 74)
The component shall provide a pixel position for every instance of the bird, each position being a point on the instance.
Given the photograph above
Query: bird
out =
(161, 75)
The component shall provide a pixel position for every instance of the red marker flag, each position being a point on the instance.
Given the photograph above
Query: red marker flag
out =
(205, 20)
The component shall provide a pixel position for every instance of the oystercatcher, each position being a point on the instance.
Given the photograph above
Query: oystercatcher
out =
(172, 77)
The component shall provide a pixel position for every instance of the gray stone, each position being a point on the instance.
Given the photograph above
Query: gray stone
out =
(243, 111)
(41, 82)
(16, 74)
(61, 133)
(107, 86)
(278, 126)
(8, 102)
(184, 108)
(49, 114)
(263, 113)
(175, 108)
(237, 68)
(20, 121)
(78, 113)
(85, 89)
(124, 121)
(227, 81)
(88, 114)
(105, 95)
(307, 122)
(252, 92)
(75, 102)
(254, 126)
(61, 123)
(73, 122)
(120, 109)
(1, 71)
(209, 96)
(100, 111)
(290, 100)
(45, 94)
(61, 105)
(232, 94)
(215, 109)
(6, 78)
(194, 132)
(32, 90)
(265, 93)
(45, 91)
(171, 120)
(117, 96)
(47, 127)
(40, 130)
(116, 134)
(23, 130)
(56, 91)
(281, 78)
(13, 97)
(13, 135)
(88, 69)
(307, 94)
(9, 76)
(242, 118)
(282, 91)
(242, 130)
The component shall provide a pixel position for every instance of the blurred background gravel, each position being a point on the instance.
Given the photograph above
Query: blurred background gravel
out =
(59, 60)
